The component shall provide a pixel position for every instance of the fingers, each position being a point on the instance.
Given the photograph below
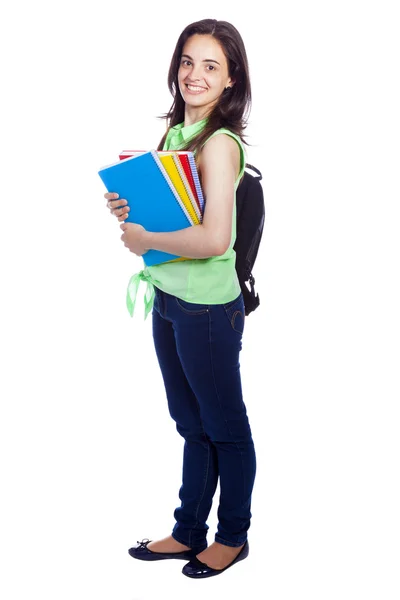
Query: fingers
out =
(119, 208)
(112, 204)
(122, 213)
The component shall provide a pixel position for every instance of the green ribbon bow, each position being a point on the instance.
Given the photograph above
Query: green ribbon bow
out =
(132, 291)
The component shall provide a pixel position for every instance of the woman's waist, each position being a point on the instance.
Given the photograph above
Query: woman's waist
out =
(210, 281)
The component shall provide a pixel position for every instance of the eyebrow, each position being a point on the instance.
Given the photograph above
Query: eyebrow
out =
(205, 60)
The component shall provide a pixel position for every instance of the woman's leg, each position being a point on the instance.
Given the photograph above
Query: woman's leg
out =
(200, 469)
(208, 342)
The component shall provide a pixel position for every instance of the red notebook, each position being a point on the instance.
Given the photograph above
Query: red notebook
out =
(188, 172)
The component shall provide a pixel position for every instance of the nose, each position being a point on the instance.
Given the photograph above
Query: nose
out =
(195, 73)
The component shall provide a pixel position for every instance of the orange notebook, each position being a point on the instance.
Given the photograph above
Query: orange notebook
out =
(175, 171)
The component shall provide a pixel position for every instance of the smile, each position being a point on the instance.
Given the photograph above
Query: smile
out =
(195, 89)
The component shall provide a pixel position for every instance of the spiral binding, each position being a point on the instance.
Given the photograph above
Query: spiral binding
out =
(172, 188)
(187, 187)
(197, 182)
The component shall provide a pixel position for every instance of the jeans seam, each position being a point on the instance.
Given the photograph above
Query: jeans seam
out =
(219, 402)
(205, 477)
(194, 313)
(231, 305)
(233, 320)
(232, 311)
(221, 540)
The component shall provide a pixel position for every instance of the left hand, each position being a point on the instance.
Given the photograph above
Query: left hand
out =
(134, 236)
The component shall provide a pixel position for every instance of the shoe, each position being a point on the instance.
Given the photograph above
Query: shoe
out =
(142, 552)
(198, 570)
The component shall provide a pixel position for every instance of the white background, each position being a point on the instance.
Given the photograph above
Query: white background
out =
(90, 459)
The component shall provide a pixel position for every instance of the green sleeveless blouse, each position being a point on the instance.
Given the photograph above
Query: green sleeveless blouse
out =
(201, 280)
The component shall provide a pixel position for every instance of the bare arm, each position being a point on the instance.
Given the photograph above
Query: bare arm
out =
(219, 166)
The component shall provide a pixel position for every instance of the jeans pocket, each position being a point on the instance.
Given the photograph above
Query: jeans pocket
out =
(235, 312)
(191, 308)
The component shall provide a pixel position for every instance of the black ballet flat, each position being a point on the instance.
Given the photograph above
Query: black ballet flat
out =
(142, 552)
(198, 570)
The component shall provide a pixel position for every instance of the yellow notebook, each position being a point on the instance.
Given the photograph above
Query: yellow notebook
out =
(178, 178)
(189, 189)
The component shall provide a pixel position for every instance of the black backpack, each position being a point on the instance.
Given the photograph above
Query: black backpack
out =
(250, 216)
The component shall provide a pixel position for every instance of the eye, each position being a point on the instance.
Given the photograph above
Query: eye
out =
(211, 67)
(186, 62)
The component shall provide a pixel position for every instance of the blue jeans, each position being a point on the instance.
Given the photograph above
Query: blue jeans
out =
(198, 348)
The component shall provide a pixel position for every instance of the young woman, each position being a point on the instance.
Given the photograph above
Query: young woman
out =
(198, 310)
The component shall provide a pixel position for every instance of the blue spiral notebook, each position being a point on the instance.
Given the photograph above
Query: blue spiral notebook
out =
(154, 203)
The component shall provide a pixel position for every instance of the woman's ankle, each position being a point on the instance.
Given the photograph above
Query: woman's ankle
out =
(168, 544)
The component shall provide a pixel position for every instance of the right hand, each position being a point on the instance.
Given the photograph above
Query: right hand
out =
(118, 206)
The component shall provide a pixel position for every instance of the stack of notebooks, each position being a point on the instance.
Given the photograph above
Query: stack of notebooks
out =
(162, 189)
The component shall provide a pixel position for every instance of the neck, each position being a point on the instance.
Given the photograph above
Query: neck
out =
(194, 115)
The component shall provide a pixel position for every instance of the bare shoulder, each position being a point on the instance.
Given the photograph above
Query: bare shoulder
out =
(221, 144)
(219, 150)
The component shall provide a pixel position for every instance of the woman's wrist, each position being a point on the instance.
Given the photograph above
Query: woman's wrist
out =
(148, 239)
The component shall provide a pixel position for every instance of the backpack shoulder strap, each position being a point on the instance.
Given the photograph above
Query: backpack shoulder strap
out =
(258, 176)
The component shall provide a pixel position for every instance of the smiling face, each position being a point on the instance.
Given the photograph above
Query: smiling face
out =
(202, 76)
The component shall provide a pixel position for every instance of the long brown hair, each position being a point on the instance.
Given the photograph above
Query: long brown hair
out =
(233, 107)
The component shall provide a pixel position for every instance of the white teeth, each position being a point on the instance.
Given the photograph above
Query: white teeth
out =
(193, 88)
